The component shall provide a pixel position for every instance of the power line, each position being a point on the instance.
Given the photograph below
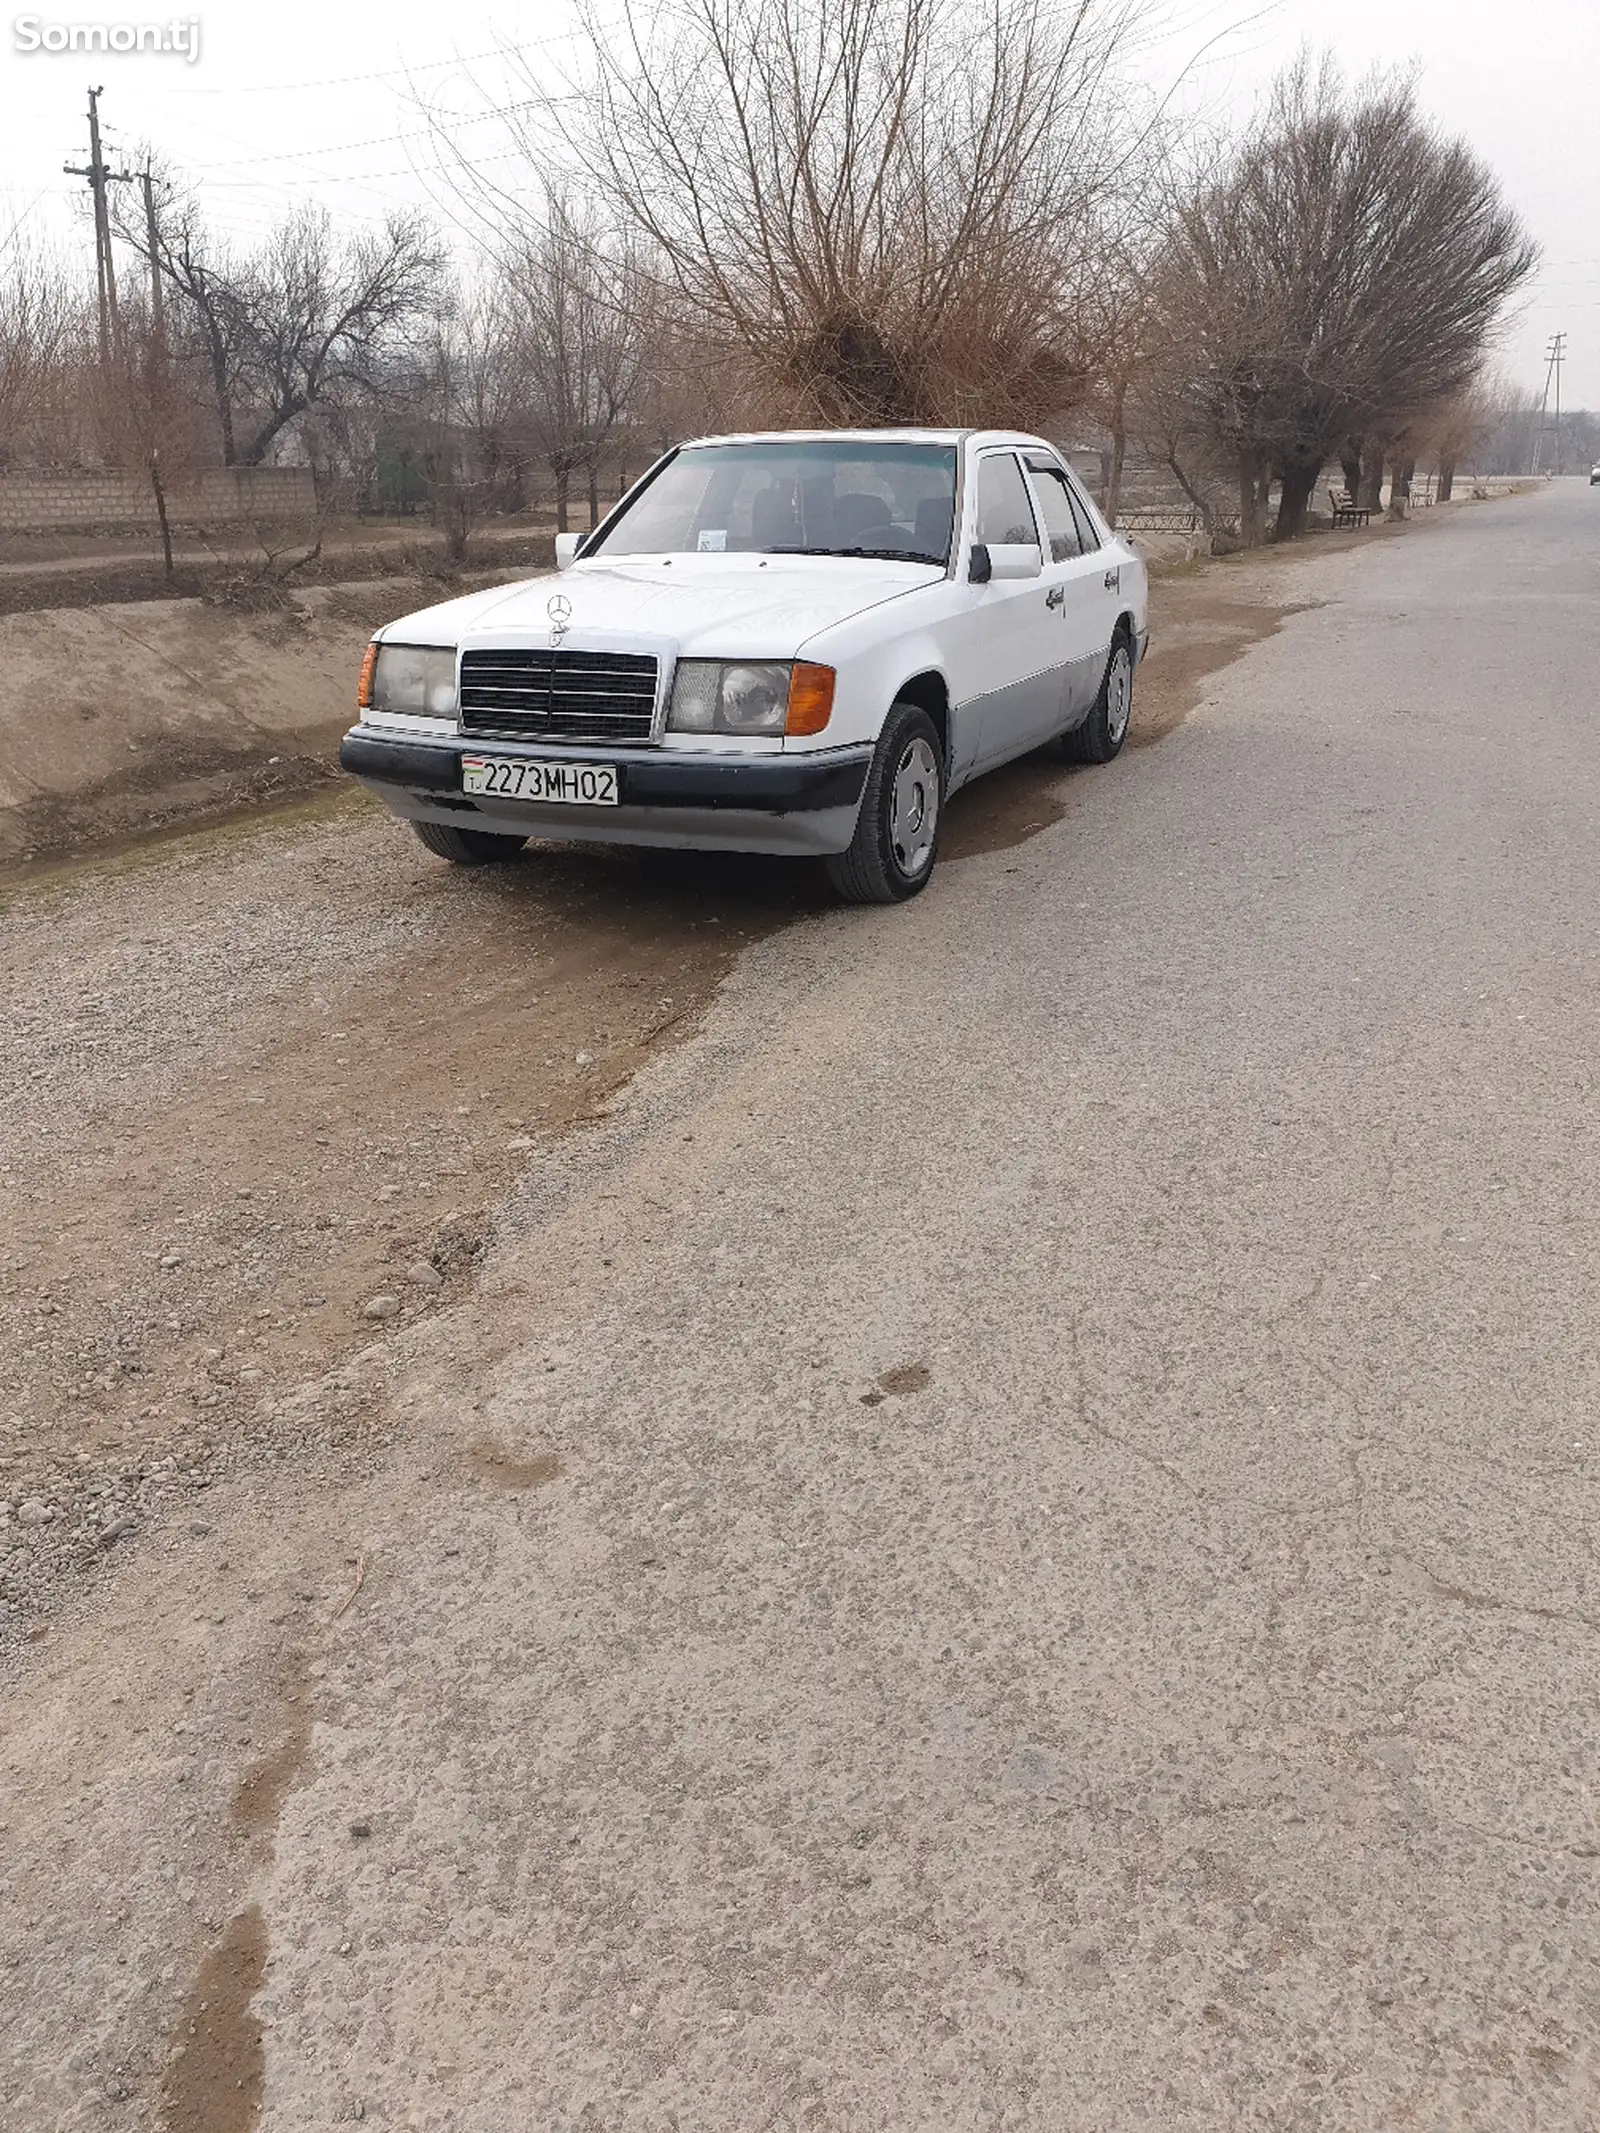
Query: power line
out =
(376, 140)
(10, 236)
(275, 185)
(427, 66)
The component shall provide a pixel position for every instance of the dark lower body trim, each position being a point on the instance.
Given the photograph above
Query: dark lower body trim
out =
(780, 804)
(779, 785)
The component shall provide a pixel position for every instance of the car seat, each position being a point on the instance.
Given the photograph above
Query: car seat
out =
(856, 514)
(773, 519)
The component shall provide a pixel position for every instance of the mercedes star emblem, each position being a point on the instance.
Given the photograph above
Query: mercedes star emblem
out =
(560, 612)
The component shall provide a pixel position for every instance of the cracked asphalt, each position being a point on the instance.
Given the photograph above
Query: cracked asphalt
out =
(1010, 1544)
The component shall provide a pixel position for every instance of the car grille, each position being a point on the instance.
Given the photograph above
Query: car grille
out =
(558, 696)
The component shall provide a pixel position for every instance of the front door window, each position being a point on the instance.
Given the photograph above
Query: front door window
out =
(1005, 516)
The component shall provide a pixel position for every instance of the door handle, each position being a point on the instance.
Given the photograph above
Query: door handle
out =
(1055, 596)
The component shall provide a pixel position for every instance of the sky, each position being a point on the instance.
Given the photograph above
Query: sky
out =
(268, 105)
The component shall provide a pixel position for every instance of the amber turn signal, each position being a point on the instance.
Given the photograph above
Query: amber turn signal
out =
(364, 685)
(810, 698)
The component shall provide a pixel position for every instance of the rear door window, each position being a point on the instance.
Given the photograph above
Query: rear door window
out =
(1088, 532)
(1055, 503)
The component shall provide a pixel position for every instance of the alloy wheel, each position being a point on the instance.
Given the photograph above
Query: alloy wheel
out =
(914, 808)
(1119, 694)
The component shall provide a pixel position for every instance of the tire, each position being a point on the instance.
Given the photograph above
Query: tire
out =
(1103, 732)
(896, 843)
(468, 848)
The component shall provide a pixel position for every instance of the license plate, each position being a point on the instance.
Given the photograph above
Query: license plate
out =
(518, 777)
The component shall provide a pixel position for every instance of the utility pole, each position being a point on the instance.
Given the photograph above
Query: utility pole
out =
(105, 267)
(1554, 356)
(1558, 350)
(157, 358)
(158, 316)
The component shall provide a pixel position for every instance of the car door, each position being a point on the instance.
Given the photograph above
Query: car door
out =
(1084, 634)
(1100, 591)
(1014, 619)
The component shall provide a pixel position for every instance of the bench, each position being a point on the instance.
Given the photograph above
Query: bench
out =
(1346, 511)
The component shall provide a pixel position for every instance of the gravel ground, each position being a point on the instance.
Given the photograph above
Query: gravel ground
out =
(262, 1093)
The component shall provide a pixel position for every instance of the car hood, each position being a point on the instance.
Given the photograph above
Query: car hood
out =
(706, 607)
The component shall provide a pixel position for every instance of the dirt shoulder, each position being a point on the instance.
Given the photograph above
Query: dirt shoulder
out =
(118, 720)
(84, 570)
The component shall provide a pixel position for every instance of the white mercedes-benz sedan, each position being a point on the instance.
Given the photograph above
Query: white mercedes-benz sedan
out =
(800, 642)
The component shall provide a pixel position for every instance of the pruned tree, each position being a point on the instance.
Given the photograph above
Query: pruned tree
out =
(1340, 278)
(875, 206)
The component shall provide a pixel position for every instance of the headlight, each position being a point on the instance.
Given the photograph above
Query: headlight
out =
(415, 680)
(709, 696)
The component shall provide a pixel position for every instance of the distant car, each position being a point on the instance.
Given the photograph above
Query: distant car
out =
(1594, 476)
(796, 642)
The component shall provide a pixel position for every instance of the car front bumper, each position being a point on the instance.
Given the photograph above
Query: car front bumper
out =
(765, 803)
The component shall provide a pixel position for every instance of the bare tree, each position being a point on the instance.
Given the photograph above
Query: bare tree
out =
(147, 417)
(285, 330)
(876, 205)
(490, 389)
(456, 404)
(1341, 278)
(1112, 316)
(41, 343)
(320, 312)
(582, 339)
(210, 321)
(1463, 425)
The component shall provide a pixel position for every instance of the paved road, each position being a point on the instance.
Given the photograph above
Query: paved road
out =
(1013, 1544)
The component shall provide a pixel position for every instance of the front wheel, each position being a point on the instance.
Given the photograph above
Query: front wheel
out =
(468, 848)
(896, 842)
(1103, 732)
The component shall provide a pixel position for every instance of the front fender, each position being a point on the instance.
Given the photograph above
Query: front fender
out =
(873, 666)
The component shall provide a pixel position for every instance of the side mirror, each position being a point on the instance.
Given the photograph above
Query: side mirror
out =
(567, 546)
(1016, 559)
(979, 569)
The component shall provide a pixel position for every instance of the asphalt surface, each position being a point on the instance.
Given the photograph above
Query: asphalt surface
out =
(1011, 1543)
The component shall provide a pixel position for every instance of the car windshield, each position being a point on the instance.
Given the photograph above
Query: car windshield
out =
(850, 497)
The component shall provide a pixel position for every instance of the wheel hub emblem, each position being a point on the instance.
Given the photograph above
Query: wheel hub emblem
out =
(559, 610)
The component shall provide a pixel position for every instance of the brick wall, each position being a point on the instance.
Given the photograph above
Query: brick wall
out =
(94, 502)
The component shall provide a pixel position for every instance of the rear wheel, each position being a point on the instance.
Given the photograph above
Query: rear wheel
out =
(897, 831)
(468, 848)
(1103, 732)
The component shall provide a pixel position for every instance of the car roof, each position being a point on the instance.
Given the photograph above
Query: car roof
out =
(906, 435)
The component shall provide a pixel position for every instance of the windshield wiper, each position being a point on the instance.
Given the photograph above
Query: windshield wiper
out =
(873, 555)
